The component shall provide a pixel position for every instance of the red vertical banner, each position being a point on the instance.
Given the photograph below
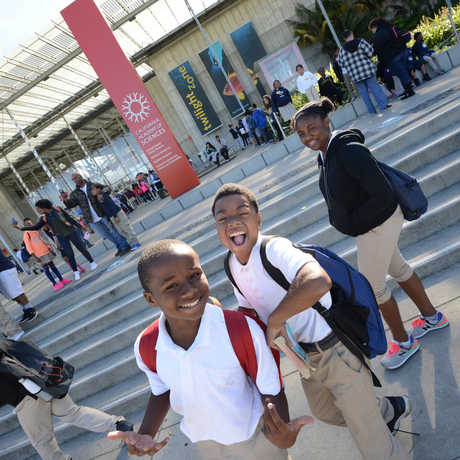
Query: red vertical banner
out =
(130, 96)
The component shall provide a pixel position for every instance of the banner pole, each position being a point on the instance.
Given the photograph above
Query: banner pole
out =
(221, 67)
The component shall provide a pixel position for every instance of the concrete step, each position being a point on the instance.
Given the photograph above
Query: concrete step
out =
(110, 354)
(444, 211)
(85, 324)
(85, 445)
(298, 194)
(79, 322)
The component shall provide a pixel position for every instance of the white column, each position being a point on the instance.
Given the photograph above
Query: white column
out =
(114, 151)
(32, 148)
(85, 151)
(23, 185)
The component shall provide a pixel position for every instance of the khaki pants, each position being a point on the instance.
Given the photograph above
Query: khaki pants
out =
(8, 325)
(34, 415)
(125, 228)
(258, 448)
(340, 392)
(379, 255)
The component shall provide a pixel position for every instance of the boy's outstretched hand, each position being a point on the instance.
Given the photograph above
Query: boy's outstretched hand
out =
(280, 433)
(138, 444)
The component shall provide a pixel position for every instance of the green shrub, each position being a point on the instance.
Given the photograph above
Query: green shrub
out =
(437, 31)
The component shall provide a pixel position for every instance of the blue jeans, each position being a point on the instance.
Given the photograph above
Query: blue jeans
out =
(371, 84)
(108, 232)
(398, 67)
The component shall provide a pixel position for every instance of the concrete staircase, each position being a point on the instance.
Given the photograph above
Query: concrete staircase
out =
(94, 326)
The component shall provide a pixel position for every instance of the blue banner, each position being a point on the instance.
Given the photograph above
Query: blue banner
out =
(203, 113)
(211, 61)
(251, 49)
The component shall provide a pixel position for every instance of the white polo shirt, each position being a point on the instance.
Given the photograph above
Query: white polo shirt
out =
(263, 294)
(208, 387)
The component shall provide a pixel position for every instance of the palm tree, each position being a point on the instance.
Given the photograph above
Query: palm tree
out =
(311, 27)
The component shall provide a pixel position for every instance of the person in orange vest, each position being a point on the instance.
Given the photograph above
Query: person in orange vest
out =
(42, 247)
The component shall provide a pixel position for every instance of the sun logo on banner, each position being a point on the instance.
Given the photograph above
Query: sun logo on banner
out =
(136, 107)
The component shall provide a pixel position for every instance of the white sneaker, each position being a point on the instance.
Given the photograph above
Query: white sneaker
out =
(93, 266)
(76, 275)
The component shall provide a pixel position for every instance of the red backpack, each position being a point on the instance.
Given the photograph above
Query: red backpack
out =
(240, 337)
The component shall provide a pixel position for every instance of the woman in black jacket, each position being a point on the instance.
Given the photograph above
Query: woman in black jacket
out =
(390, 46)
(361, 203)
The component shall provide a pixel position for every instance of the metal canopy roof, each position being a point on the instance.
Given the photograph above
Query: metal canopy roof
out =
(49, 77)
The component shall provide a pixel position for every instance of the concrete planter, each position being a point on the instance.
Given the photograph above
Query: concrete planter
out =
(343, 115)
(454, 55)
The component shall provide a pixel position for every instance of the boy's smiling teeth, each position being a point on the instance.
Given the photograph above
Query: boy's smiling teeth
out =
(190, 305)
(238, 237)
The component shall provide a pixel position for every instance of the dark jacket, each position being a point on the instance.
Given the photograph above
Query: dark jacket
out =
(11, 391)
(109, 207)
(78, 198)
(58, 220)
(280, 97)
(5, 263)
(385, 46)
(358, 195)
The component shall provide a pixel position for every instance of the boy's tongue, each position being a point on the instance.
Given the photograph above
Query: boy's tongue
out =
(239, 239)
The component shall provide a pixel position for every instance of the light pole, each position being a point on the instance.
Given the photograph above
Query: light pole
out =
(211, 48)
(451, 18)
(336, 39)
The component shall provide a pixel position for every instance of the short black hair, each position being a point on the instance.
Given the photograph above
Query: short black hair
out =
(44, 204)
(346, 34)
(27, 218)
(379, 23)
(320, 108)
(151, 255)
(417, 34)
(235, 189)
(298, 66)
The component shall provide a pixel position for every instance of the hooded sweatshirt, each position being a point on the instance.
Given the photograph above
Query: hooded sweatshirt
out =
(358, 195)
(355, 58)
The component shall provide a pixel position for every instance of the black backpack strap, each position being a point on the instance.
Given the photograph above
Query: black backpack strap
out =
(275, 273)
(228, 272)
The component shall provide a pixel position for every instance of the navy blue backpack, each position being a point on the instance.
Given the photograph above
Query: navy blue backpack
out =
(408, 192)
(354, 315)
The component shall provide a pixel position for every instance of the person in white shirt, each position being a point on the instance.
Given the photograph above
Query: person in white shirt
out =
(306, 82)
(339, 389)
(193, 368)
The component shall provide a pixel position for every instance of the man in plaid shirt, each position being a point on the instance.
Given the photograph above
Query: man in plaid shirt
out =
(355, 58)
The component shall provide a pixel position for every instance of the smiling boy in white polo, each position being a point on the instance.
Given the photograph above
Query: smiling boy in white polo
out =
(339, 389)
(211, 366)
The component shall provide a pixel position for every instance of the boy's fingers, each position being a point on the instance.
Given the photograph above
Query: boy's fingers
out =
(126, 436)
(277, 420)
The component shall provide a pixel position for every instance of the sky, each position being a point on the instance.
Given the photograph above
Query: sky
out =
(20, 19)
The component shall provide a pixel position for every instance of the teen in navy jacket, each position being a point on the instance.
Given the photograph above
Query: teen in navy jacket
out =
(280, 96)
